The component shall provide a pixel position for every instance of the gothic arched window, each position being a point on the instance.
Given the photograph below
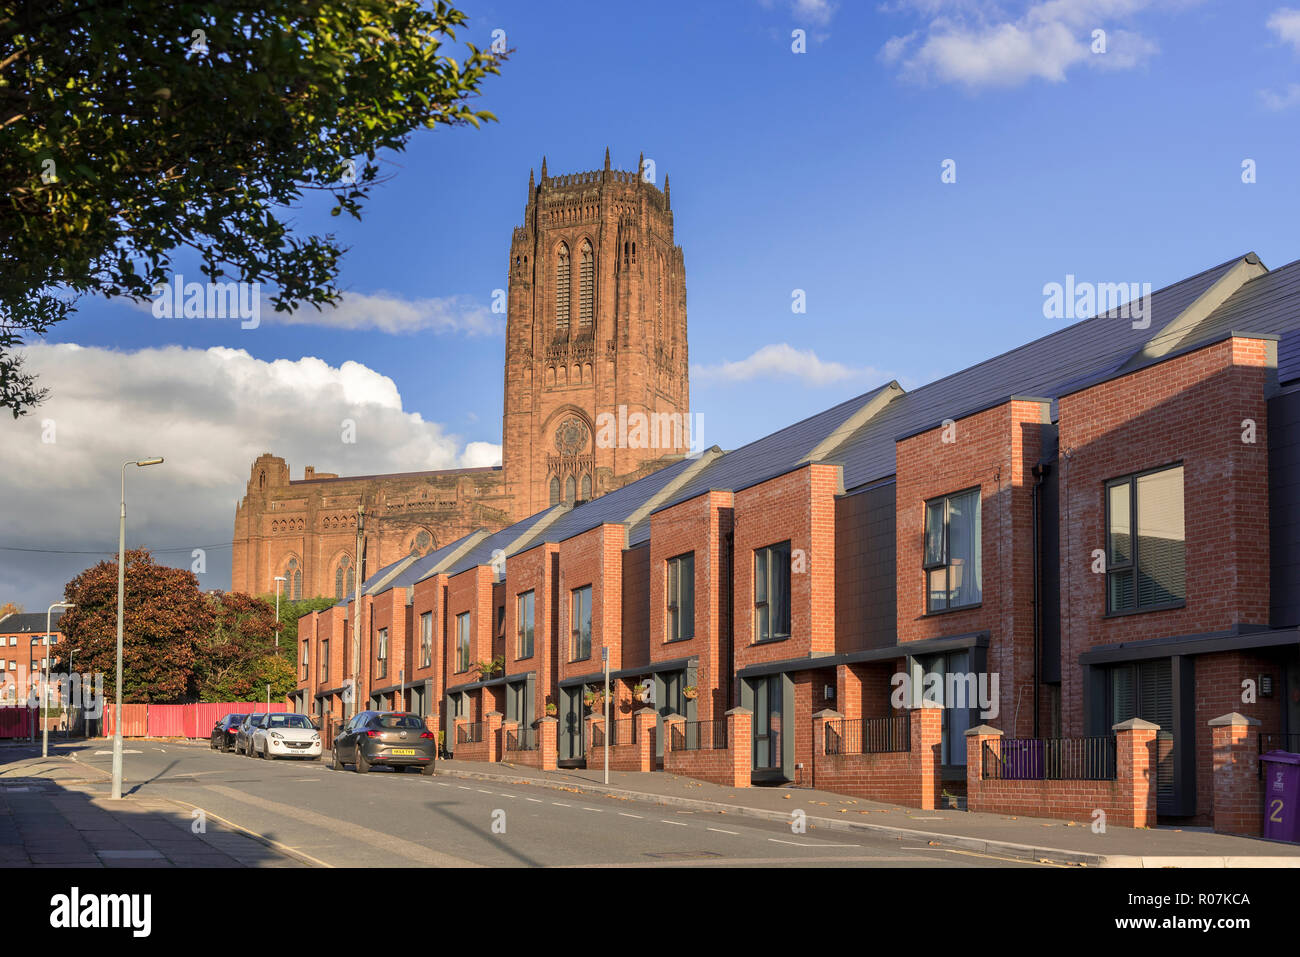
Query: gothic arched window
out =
(586, 488)
(345, 579)
(586, 286)
(562, 290)
(293, 580)
(569, 489)
(555, 491)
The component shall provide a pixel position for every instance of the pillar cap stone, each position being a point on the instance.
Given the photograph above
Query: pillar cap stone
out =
(1235, 719)
(546, 718)
(673, 717)
(828, 713)
(1135, 724)
(494, 714)
(740, 711)
(983, 730)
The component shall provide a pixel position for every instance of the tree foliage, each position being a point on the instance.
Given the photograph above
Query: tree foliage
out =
(165, 618)
(133, 130)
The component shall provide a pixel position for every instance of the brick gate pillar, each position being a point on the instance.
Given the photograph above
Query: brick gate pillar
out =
(1237, 787)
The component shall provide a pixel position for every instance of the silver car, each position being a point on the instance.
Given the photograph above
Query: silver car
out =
(285, 735)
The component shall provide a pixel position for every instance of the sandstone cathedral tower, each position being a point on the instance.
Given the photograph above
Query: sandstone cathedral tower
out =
(595, 334)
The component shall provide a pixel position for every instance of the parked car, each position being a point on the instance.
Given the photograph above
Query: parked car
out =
(395, 739)
(224, 731)
(244, 736)
(285, 735)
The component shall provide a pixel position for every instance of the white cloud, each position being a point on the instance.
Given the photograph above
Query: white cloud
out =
(980, 46)
(815, 11)
(1281, 101)
(209, 413)
(396, 315)
(784, 361)
(1285, 22)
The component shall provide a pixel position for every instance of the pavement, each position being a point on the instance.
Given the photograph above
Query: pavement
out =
(1013, 836)
(53, 813)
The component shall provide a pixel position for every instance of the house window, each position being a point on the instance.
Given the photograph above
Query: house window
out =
(462, 642)
(772, 592)
(325, 660)
(524, 647)
(562, 290)
(581, 624)
(1145, 569)
(681, 597)
(953, 569)
(426, 639)
(586, 285)
(381, 664)
(303, 662)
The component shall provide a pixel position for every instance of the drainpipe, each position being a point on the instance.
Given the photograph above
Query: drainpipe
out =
(1040, 472)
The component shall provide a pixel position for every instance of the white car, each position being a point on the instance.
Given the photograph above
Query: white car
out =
(283, 735)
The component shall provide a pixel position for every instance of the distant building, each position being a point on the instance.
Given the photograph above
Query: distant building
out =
(23, 650)
(596, 396)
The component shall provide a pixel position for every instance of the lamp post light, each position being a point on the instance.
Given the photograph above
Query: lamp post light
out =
(121, 596)
(45, 679)
(278, 579)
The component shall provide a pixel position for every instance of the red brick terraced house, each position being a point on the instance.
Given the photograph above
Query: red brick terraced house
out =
(1092, 537)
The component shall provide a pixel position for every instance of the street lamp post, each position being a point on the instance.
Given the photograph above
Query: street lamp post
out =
(121, 597)
(278, 579)
(45, 676)
(71, 651)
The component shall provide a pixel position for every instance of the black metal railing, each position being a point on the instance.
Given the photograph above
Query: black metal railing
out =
(700, 735)
(869, 735)
(521, 739)
(470, 733)
(1050, 759)
(598, 735)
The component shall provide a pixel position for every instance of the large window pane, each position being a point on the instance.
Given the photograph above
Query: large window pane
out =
(1120, 531)
(1160, 538)
(525, 649)
(953, 555)
(934, 534)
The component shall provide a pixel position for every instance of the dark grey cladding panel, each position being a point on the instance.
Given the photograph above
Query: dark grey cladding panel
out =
(1284, 508)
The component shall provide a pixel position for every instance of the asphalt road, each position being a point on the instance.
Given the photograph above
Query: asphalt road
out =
(385, 818)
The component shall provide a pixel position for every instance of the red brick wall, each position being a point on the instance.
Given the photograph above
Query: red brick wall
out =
(1189, 408)
(698, 525)
(470, 591)
(533, 570)
(429, 596)
(593, 558)
(798, 506)
(904, 777)
(994, 450)
(636, 607)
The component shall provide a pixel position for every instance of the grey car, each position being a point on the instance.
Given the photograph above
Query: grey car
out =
(395, 739)
(244, 736)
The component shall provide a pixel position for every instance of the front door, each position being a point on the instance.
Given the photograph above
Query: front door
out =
(768, 721)
(571, 744)
(672, 701)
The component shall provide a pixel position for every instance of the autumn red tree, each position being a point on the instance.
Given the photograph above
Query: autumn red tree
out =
(165, 619)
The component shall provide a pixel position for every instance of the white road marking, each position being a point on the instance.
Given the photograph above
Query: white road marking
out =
(481, 791)
(558, 804)
(721, 831)
(537, 800)
(625, 814)
(505, 795)
(124, 751)
(678, 823)
(596, 809)
(464, 787)
(805, 844)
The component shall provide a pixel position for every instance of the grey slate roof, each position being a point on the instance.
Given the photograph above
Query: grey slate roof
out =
(30, 622)
(509, 540)
(1093, 348)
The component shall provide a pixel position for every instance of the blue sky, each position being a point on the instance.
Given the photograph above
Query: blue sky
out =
(817, 171)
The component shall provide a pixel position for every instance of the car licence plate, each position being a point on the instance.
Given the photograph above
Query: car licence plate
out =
(403, 750)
